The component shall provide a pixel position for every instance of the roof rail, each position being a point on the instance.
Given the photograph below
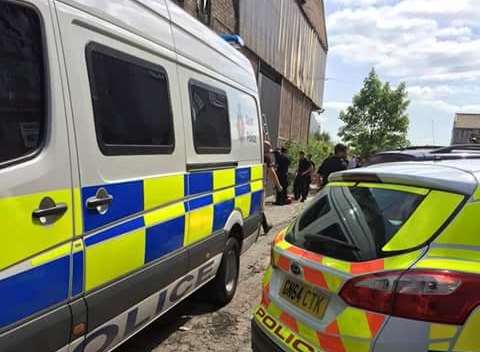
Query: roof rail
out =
(449, 149)
(415, 147)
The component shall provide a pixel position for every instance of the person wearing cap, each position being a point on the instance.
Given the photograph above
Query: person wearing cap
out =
(334, 163)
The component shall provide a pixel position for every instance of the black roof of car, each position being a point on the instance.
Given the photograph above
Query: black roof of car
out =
(426, 153)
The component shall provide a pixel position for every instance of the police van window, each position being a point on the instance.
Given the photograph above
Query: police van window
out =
(353, 223)
(210, 120)
(131, 103)
(22, 88)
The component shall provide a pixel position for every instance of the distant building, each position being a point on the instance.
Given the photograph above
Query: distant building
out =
(466, 129)
(286, 41)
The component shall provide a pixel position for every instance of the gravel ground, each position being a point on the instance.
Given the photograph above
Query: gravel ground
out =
(196, 326)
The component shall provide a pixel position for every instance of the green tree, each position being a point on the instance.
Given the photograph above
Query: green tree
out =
(319, 145)
(322, 137)
(377, 119)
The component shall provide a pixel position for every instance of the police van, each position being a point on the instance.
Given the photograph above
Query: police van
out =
(130, 168)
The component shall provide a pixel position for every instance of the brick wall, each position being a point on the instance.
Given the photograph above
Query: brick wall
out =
(223, 16)
(189, 6)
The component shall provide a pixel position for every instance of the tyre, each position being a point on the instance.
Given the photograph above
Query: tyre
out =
(222, 288)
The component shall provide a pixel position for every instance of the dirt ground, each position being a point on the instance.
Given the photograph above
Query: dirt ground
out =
(196, 326)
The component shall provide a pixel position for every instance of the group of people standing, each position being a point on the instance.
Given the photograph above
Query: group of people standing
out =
(277, 171)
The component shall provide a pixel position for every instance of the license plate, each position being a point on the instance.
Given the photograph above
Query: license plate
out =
(305, 297)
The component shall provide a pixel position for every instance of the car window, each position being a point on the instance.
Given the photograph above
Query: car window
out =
(131, 103)
(22, 88)
(353, 223)
(210, 120)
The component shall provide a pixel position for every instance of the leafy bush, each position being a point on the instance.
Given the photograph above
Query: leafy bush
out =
(319, 145)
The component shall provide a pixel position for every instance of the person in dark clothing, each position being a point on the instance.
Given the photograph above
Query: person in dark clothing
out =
(311, 173)
(297, 189)
(283, 163)
(337, 162)
(269, 174)
(303, 175)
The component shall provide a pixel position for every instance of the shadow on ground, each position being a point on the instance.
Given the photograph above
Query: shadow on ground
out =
(173, 321)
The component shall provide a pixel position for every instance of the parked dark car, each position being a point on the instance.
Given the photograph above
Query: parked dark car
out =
(426, 153)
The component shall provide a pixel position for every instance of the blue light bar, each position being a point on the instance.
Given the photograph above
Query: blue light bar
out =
(233, 39)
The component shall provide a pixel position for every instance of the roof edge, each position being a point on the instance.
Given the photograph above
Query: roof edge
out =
(463, 182)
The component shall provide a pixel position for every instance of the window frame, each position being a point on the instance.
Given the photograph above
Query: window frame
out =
(209, 150)
(345, 226)
(126, 149)
(44, 131)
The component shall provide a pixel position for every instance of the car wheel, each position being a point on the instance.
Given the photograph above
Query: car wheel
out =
(222, 288)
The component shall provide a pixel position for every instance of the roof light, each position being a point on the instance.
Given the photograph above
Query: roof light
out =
(234, 39)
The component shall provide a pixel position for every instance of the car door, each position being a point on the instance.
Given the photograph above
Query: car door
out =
(131, 155)
(36, 207)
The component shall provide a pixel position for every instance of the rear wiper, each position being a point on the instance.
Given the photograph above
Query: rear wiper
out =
(325, 239)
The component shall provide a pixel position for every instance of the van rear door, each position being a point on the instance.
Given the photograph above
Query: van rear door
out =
(36, 208)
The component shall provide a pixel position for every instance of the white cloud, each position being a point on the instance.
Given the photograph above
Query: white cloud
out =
(410, 39)
(432, 45)
(336, 106)
(429, 93)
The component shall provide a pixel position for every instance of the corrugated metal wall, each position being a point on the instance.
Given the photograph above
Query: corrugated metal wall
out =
(315, 11)
(270, 93)
(295, 110)
(279, 33)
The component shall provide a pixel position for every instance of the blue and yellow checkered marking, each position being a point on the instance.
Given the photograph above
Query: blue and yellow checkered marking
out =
(208, 199)
(45, 283)
(127, 200)
(198, 182)
(115, 231)
(242, 175)
(34, 290)
(130, 198)
(164, 238)
(164, 223)
(198, 203)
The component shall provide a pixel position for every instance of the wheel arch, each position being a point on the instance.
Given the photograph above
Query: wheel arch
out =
(234, 227)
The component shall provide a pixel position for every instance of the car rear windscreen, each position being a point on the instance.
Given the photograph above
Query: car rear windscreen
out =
(353, 223)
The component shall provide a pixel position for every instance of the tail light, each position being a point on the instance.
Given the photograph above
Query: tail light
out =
(278, 237)
(428, 295)
(272, 254)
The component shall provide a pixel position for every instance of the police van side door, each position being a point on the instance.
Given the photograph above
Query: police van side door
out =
(131, 158)
(36, 207)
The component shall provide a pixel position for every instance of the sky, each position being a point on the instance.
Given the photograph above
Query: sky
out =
(431, 45)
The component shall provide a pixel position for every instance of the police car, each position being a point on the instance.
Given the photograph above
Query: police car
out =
(384, 259)
(131, 169)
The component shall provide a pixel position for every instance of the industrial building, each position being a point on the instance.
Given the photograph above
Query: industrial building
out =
(466, 129)
(286, 41)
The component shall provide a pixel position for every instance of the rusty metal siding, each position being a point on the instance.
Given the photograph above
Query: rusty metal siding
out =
(295, 111)
(315, 12)
(280, 34)
(270, 95)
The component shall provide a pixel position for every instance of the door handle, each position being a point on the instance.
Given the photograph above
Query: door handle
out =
(48, 212)
(100, 202)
